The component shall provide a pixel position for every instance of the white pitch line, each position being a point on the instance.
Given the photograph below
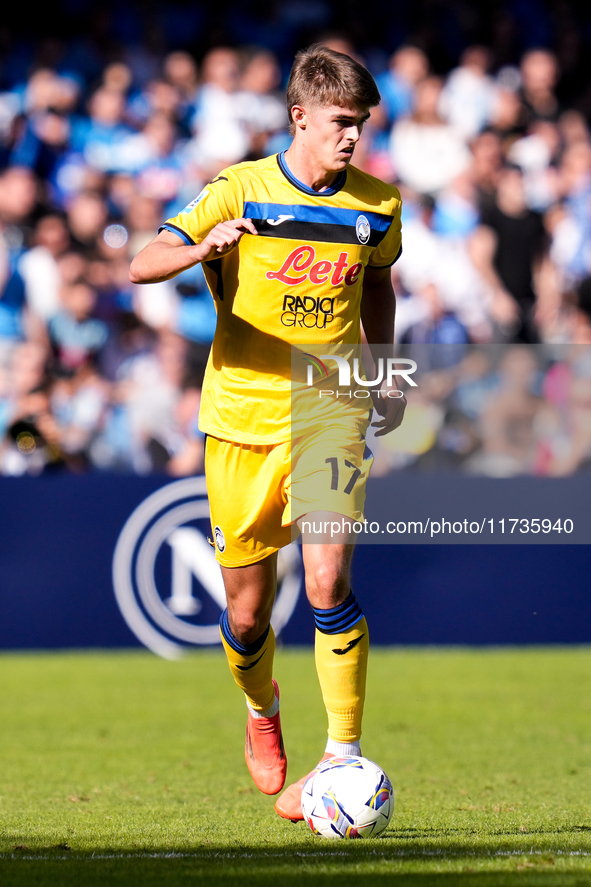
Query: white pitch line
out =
(78, 856)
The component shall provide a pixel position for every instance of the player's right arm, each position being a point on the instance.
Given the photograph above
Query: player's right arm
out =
(168, 254)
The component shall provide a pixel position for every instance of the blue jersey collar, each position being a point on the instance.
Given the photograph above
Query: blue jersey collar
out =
(328, 192)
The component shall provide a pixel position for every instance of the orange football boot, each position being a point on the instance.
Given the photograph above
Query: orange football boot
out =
(264, 752)
(289, 805)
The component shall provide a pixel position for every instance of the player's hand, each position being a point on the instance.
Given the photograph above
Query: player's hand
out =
(224, 237)
(391, 409)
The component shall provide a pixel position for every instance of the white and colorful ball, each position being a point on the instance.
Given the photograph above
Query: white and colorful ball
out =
(348, 797)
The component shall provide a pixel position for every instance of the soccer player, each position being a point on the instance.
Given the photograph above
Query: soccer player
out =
(296, 250)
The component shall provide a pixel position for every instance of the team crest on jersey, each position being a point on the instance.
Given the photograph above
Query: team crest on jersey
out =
(362, 229)
(201, 196)
(219, 539)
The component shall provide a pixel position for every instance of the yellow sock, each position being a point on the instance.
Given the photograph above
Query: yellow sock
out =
(251, 666)
(341, 664)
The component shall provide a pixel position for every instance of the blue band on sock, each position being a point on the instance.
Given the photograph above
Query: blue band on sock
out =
(338, 619)
(243, 649)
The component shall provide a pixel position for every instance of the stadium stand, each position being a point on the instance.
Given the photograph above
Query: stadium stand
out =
(112, 120)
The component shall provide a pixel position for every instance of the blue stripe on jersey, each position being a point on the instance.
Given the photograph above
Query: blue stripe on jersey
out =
(323, 215)
(178, 231)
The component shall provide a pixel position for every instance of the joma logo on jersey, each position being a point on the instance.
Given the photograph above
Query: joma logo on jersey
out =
(300, 266)
(307, 311)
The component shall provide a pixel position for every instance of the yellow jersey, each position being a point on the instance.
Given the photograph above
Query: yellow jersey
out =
(298, 282)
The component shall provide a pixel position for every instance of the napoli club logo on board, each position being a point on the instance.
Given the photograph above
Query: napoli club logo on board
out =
(166, 580)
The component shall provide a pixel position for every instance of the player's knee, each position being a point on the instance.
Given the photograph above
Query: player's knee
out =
(327, 585)
(248, 627)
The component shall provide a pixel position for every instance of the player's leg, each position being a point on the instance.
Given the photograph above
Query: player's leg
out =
(341, 642)
(341, 652)
(246, 629)
(327, 493)
(249, 642)
(246, 501)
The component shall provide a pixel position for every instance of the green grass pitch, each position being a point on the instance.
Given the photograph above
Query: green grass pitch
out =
(118, 768)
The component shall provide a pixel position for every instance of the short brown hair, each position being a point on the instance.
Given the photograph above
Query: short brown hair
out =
(321, 76)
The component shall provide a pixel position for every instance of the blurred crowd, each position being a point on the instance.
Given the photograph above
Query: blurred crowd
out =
(492, 156)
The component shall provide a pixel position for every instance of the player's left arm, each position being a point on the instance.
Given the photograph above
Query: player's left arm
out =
(378, 312)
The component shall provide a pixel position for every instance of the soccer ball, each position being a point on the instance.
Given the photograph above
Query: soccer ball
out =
(348, 797)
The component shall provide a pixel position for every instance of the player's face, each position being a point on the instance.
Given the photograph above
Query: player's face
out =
(331, 134)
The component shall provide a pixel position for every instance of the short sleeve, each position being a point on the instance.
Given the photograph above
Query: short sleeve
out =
(390, 248)
(221, 200)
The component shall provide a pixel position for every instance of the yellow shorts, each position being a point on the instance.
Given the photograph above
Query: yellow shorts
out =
(256, 493)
